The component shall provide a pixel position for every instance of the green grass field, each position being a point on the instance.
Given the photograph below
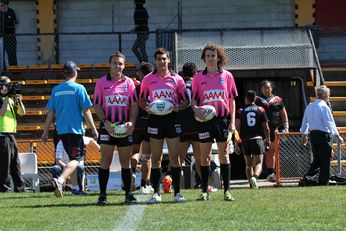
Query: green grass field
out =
(309, 208)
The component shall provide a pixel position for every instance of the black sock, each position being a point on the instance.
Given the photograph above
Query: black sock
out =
(176, 172)
(205, 171)
(255, 176)
(103, 180)
(133, 170)
(143, 182)
(225, 174)
(147, 182)
(270, 171)
(126, 175)
(156, 176)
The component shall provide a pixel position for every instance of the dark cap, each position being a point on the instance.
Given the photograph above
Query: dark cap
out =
(70, 67)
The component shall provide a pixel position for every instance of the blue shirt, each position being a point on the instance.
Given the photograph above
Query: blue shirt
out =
(317, 116)
(67, 100)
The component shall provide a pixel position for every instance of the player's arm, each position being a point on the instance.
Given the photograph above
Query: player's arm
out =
(48, 122)
(197, 110)
(284, 118)
(266, 132)
(89, 119)
(232, 126)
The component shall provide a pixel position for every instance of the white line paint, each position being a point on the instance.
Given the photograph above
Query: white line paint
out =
(133, 215)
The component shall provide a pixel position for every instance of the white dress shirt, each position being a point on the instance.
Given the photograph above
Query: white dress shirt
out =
(318, 116)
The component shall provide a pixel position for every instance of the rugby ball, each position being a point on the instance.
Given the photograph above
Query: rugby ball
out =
(119, 130)
(208, 112)
(160, 107)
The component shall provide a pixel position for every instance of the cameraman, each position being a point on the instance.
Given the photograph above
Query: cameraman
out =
(10, 106)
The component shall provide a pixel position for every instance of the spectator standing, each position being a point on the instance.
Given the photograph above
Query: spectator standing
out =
(250, 122)
(216, 87)
(141, 145)
(189, 125)
(10, 107)
(9, 22)
(319, 124)
(164, 84)
(69, 104)
(116, 104)
(276, 111)
(141, 18)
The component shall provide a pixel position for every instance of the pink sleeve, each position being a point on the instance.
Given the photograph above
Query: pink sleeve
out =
(232, 87)
(98, 93)
(132, 92)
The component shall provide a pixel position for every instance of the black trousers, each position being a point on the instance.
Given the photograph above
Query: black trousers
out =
(10, 46)
(321, 149)
(9, 164)
(139, 47)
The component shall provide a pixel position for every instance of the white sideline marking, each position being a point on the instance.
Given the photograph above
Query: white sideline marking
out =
(133, 215)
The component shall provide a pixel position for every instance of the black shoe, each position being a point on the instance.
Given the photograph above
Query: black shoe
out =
(102, 201)
(130, 199)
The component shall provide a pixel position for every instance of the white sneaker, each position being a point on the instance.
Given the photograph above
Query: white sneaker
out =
(150, 188)
(271, 177)
(179, 198)
(58, 191)
(253, 182)
(155, 199)
(144, 190)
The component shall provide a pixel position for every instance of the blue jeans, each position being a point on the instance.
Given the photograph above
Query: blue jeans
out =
(56, 170)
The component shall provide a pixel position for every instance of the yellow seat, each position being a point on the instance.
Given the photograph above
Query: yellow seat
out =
(35, 97)
(102, 66)
(55, 81)
(56, 67)
(35, 82)
(38, 67)
(17, 68)
(35, 111)
(85, 66)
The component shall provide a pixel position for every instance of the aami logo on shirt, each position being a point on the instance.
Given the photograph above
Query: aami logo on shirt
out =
(116, 100)
(214, 95)
(162, 94)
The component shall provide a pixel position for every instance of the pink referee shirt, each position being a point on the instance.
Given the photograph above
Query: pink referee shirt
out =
(171, 88)
(115, 97)
(214, 90)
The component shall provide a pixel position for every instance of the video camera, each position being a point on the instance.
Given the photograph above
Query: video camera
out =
(13, 88)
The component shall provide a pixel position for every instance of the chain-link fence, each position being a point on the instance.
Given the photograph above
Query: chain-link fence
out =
(293, 158)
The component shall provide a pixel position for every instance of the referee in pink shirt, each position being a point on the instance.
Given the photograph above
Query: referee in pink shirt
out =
(214, 86)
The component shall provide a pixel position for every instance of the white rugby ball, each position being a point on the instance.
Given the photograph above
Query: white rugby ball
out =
(208, 112)
(161, 107)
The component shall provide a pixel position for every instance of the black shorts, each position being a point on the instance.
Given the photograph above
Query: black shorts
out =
(105, 138)
(141, 131)
(216, 128)
(189, 129)
(166, 126)
(73, 145)
(253, 147)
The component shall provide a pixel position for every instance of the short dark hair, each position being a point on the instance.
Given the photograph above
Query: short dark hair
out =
(146, 68)
(116, 54)
(189, 69)
(250, 95)
(161, 51)
(265, 82)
